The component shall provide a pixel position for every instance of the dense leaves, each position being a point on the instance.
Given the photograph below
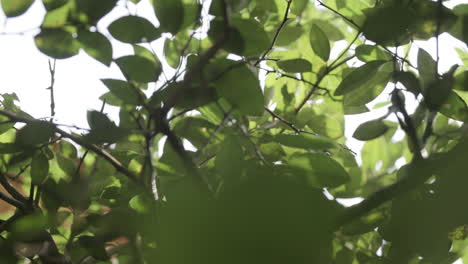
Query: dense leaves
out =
(227, 140)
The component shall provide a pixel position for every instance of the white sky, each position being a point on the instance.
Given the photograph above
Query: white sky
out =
(24, 70)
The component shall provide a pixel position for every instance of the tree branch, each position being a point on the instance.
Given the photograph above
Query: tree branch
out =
(275, 37)
(78, 140)
(12, 201)
(419, 170)
(10, 189)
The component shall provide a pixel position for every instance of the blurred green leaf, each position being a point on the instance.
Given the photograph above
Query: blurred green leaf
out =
(295, 65)
(358, 77)
(367, 53)
(39, 168)
(57, 43)
(305, 141)
(240, 87)
(426, 68)
(170, 14)
(370, 130)
(140, 69)
(34, 133)
(96, 45)
(126, 92)
(319, 42)
(319, 169)
(133, 29)
(16, 7)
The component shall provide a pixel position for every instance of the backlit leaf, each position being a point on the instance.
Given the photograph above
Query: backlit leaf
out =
(39, 168)
(34, 133)
(295, 65)
(319, 42)
(133, 29)
(370, 130)
(241, 88)
(56, 43)
(319, 169)
(426, 68)
(229, 161)
(124, 91)
(138, 68)
(96, 45)
(368, 53)
(358, 77)
(170, 14)
(305, 141)
(16, 7)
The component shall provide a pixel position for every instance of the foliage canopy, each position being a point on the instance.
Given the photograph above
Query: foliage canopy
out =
(260, 90)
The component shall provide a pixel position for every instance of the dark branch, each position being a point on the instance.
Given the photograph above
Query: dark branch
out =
(275, 37)
(78, 140)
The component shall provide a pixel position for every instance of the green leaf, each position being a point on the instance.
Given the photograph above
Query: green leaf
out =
(34, 133)
(140, 69)
(256, 41)
(460, 29)
(289, 33)
(354, 110)
(96, 45)
(319, 42)
(133, 29)
(53, 4)
(170, 14)
(430, 18)
(370, 130)
(359, 77)
(298, 6)
(124, 91)
(5, 125)
(145, 53)
(191, 98)
(368, 53)
(141, 204)
(319, 169)
(58, 17)
(90, 12)
(56, 43)
(229, 160)
(39, 168)
(332, 32)
(305, 141)
(437, 92)
(370, 88)
(8, 148)
(409, 80)
(426, 68)
(103, 130)
(455, 107)
(295, 65)
(240, 87)
(235, 41)
(461, 81)
(16, 7)
(388, 25)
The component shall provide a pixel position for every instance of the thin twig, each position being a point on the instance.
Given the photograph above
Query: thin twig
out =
(319, 80)
(339, 14)
(80, 141)
(12, 201)
(10, 189)
(286, 122)
(216, 131)
(275, 37)
(439, 21)
(51, 88)
(202, 61)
